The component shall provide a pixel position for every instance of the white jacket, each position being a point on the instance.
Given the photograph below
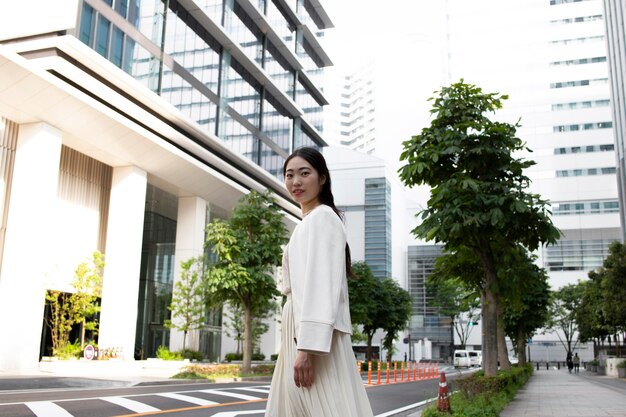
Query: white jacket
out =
(314, 272)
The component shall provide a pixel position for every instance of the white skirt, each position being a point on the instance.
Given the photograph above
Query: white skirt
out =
(337, 390)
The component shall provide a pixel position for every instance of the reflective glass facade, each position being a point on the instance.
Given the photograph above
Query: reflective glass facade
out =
(378, 226)
(182, 55)
(426, 322)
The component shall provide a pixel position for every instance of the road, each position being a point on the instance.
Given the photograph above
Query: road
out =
(185, 400)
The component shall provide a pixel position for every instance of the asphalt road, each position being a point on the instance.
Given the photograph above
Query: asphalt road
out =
(76, 397)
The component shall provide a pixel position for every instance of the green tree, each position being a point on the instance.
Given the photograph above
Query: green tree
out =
(525, 309)
(248, 247)
(564, 304)
(398, 312)
(189, 301)
(478, 189)
(235, 328)
(78, 307)
(366, 304)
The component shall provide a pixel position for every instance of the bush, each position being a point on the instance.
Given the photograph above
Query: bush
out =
(165, 354)
(212, 371)
(621, 364)
(69, 351)
(593, 362)
(481, 396)
(274, 357)
(229, 357)
(193, 355)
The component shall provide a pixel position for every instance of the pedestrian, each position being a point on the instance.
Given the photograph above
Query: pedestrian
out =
(570, 362)
(315, 374)
(576, 361)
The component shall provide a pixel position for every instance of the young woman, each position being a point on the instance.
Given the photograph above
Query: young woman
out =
(316, 373)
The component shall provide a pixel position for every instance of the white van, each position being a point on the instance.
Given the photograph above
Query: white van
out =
(461, 359)
(476, 358)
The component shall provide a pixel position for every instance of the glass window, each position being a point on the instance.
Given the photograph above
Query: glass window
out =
(121, 6)
(102, 36)
(87, 19)
(117, 47)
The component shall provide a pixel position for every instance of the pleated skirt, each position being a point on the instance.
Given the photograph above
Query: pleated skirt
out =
(337, 390)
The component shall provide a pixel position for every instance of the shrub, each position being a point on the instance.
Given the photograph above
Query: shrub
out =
(481, 396)
(193, 355)
(212, 371)
(165, 354)
(274, 357)
(69, 351)
(229, 357)
(621, 364)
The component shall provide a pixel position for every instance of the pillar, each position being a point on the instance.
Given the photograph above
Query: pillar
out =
(190, 225)
(28, 240)
(120, 286)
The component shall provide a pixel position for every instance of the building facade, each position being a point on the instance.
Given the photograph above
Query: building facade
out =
(126, 127)
(616, 41)
(550, 57)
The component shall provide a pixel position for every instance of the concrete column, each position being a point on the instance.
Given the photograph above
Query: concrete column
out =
(28, 239)
(190, 226)
(120, 286)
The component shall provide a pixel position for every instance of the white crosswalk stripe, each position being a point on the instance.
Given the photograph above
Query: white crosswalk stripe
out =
(136, 406)
(229, 394)
(47, 409)
(238, 413)
(251, 389)
(187, 398)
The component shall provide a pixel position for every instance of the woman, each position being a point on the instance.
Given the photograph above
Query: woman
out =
(316, 373)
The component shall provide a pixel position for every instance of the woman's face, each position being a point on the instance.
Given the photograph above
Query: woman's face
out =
(303, 183)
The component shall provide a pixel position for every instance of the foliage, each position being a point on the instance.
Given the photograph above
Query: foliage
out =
(452, 291)
(248, 247)
(483, 396)
(368, 303)
(70, 351)
(234, 325)
(213, 371)
(189, 301)
(526, 301)
(256, 356)
(165, 354)
(621, 364)
(67, 310)
(564, 304)
(479, 197)
(399, 306)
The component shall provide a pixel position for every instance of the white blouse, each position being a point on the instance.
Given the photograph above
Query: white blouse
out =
(314, 273)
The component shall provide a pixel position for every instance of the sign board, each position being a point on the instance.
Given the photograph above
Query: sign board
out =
(89, 352)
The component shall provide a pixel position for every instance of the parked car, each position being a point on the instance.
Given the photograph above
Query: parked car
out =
(476, 358)
(461, 359)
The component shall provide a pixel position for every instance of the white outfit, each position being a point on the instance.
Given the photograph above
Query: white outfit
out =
(316, 319)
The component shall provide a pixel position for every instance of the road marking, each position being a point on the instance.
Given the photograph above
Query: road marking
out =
(238, 413)
(229, 394)
(261, 390)
(132, 405)
(186, 398)
(47, 409)
(408, 407)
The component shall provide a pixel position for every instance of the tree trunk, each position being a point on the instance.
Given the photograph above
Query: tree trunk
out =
(184, 341)
(490, 315)
(503, 354)
(246, 366)
(521, 348)
(368, 351)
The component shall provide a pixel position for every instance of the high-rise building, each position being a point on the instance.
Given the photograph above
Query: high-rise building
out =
(126, 126)
(550, 58)
(616, 40)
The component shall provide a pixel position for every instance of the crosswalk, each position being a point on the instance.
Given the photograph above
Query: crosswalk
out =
(143, 403)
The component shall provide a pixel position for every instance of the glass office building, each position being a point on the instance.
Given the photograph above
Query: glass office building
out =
(135, 123)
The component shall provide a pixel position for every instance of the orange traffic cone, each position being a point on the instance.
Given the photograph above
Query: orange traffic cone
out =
(443, 399)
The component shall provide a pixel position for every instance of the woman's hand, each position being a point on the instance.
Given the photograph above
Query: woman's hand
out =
(304, 370)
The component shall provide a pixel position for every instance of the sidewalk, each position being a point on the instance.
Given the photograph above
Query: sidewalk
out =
(557, 393)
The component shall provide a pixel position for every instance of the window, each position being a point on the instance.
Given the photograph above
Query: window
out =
(585, 207)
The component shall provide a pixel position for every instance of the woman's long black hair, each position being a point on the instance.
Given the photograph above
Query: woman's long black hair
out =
(317, 161)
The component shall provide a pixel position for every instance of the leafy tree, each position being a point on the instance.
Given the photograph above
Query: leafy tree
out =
(478, 190)
(248, 247)
(565, 303)
(526, 309)
(235, 328)
(399, 306)
(456, 297)
(366, 303)
(67, 310)
(188, 304)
